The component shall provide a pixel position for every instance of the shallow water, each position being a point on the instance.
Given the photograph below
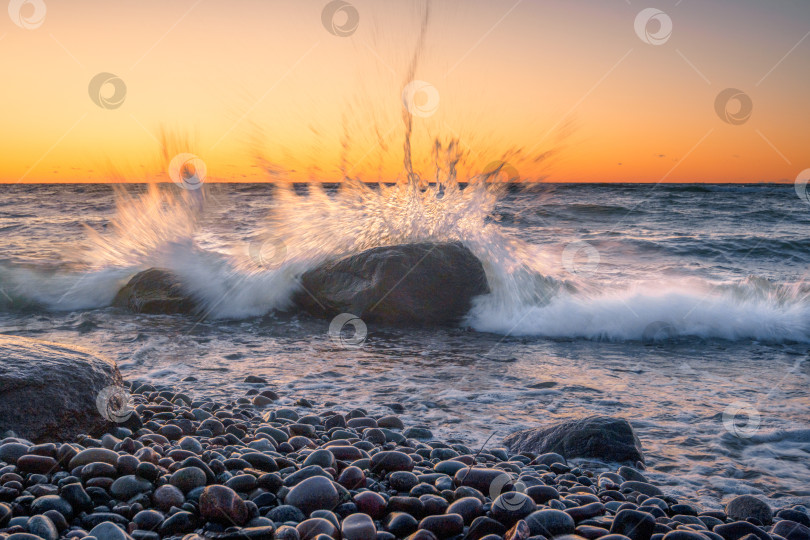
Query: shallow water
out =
(695, 314)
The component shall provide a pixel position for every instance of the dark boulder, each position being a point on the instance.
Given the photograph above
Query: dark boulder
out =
(415, 284)
(154, 291)
(596, 437)
(49, 392)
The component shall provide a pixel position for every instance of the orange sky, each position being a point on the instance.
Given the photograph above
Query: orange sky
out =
(248, 84)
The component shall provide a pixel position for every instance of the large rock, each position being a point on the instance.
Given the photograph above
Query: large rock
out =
(419, 284)
(154, 291)
(598, 437)
(48, 391)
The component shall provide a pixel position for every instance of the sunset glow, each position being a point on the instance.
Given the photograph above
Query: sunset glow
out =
(563, 91)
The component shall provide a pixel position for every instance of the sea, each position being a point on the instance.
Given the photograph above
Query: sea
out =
(683, 308)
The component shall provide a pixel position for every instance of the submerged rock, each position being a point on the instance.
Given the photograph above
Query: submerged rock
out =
(154, 291)
(48, 391)
(419, 284)
(597, 437)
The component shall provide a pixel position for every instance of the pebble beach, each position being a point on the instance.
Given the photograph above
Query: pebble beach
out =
(179, 468)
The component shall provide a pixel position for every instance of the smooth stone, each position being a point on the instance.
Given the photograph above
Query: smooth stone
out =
(129, 486)
(10, 452)
(77, 497)
(353, 477)
(400, 524)
(284, 513)
(346, 453)
(542, 494)
(483, 479)
(324, 458)
(370, 503)
(390, 422)
(468, 508)
(511, 507)
(744, 507)
(109, 531)
(443, 526)
(307, 472)
(42, 527)
(93, 455)
(191, 444)
(314, 527)
(37, 464)
(550, 523)
(642, 487)
(328, 515)
(586, 511)
(358, 527)
(148, 519)
(597, 437)
(222, 504)
(388, 461)
(483, 526)
(314, 493)
(167, 496)
(57, 519)
(791, 530)
(188, 478)
(178, 523)
(52, 502)
(629, 473)
(740, 529)
(633, 524)
(242, 483)
(792, 514)
(5, 514)
(418, 433)
(449, 467)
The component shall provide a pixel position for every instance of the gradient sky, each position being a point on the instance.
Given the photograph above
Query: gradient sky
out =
(262, 84)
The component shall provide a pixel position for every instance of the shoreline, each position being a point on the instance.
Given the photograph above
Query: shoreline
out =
(285, 474)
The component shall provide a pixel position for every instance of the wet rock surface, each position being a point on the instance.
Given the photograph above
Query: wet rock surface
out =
(599, 437)
(410, 284)
(48, 392)
(239, 471)
(154, 291)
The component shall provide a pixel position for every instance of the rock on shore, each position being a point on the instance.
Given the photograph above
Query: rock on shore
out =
(598, 437)
(416, 284)
(154, 291)
(48, 391)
